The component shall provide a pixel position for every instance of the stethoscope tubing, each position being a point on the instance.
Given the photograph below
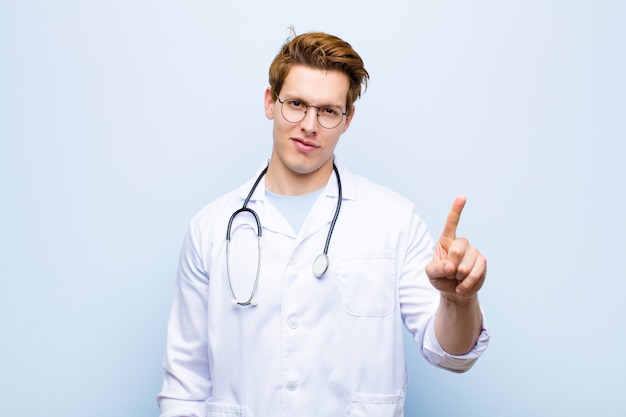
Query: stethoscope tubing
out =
(250, 300)
(337, 209)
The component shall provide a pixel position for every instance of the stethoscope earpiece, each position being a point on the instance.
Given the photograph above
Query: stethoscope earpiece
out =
(252, 303)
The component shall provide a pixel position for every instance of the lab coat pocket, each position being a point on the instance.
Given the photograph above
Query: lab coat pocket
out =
(367, 283)
(377, 405)
(215, 409)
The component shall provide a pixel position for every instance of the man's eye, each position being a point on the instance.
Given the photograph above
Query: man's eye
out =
(295, 104)
(330, 111)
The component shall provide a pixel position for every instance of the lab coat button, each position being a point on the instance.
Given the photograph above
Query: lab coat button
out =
(291, 385)
(293, 323)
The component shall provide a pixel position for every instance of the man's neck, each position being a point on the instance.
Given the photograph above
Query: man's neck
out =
(283, 181)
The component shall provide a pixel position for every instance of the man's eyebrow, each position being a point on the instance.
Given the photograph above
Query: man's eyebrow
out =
(296, 98)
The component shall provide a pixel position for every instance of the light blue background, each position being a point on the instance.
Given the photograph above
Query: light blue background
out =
(120, 119)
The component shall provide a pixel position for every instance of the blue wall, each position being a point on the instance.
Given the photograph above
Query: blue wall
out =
(120, 119)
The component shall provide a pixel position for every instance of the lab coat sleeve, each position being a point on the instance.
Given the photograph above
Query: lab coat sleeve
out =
(435, 354)
(187, 380)
(419, 301)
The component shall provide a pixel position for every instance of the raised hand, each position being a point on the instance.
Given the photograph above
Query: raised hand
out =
(458, 269)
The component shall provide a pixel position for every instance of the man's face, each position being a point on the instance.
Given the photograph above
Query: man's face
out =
(305, 147)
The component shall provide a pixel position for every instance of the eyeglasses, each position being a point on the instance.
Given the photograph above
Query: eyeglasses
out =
(294, 111)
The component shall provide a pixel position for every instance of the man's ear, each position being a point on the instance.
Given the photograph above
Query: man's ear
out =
(269, 104)
(349, 119)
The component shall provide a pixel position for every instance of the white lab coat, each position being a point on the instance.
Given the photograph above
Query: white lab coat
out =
(311, 347)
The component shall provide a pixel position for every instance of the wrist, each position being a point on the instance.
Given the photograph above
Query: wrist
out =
(459, 300)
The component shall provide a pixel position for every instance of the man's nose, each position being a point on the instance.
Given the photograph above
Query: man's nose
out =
(310, 123)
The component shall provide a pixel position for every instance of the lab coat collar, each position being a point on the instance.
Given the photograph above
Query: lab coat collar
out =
(320, 217)
(347, 184)
(259, 192)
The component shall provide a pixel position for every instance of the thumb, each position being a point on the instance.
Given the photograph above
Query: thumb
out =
(440, 269)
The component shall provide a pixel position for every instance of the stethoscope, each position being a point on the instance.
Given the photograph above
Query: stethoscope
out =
(320, 265)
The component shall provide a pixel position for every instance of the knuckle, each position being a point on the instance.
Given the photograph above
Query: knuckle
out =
(456, 251)
(463, 270)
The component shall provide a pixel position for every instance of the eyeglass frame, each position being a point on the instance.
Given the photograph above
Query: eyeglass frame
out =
(282, 102)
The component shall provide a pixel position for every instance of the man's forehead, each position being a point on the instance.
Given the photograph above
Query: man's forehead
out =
(316, 86)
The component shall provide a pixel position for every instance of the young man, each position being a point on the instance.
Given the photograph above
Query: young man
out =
(311, 325)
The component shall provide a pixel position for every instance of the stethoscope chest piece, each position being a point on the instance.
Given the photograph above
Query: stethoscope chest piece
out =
(320, 265)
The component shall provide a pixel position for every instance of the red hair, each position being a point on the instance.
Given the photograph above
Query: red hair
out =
(320, 51)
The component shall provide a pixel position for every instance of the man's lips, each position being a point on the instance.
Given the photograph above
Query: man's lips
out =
(305, 145)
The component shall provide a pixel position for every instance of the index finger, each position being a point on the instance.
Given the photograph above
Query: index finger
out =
(449, 229)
